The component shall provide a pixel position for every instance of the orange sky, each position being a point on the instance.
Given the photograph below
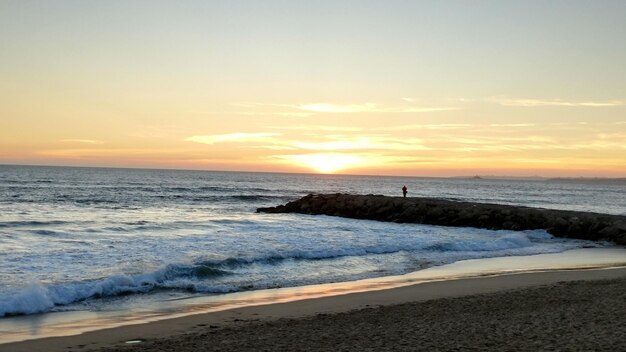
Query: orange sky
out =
(385, 88)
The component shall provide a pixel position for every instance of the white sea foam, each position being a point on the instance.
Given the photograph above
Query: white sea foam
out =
(278, 268)
(508, 241)
(32, 299)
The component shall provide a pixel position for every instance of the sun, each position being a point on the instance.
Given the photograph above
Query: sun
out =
(326, 163)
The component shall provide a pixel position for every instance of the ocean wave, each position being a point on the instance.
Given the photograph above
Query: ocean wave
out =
(506, 241)
(134, 195)
(32, 223)
(48, 233)
(231, 189)
(231, 274)
(253, 197)
(509, 241)
(39, 298)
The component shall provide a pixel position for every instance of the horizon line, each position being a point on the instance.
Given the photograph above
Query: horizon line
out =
(475, 176)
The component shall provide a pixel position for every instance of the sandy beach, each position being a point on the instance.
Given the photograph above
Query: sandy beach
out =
(553, 310)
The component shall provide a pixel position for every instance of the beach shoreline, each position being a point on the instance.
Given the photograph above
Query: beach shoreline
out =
(304, 307)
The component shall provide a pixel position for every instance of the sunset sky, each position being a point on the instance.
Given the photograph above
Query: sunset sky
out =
(424, 88)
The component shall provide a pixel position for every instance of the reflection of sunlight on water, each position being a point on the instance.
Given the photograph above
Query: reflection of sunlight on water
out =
(36, 323)
(72, 323)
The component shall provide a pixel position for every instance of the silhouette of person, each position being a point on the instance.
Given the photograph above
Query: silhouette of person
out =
(404, 190)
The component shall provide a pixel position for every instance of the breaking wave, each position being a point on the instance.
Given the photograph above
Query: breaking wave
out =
(38, 298)
(205, 276)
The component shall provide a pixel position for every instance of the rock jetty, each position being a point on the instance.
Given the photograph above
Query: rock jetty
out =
(561, 223)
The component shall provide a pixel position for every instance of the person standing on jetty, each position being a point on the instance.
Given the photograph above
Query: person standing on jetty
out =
(404, 190)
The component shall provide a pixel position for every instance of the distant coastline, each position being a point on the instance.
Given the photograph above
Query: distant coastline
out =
(542, 178)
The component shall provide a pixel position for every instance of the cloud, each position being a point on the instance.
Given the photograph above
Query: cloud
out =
(89, 152)
(293, 114)
(331, 148)
(344, 143)
(361, 143)
(367, 107)
(512, 125)
(232, 137)
(428, 126)
(333, 108)
(304, 110)
(318, 128)
(85, 141)
(314, 142)
(310, 109)
(553, 102)
(271, 147)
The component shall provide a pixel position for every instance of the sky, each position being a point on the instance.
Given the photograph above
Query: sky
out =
(421, 88)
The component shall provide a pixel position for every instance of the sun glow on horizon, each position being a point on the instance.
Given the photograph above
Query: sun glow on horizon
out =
(326, 163)
(263, 87)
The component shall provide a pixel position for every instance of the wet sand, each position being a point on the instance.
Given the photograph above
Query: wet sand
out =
(555, 310)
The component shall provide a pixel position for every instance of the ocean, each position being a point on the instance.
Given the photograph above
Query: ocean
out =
(94, 239)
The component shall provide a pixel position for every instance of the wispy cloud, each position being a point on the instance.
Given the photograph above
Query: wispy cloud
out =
(360, 143)
(530, 102)
(364, 143)
(304, 110)
(88, 152)
(512, 125)
(232, 137)
(325, 147)
(318, 128)
(426, 126)
(272, 147)
(367, 107)
(293, 114)
(85, 141)
(314, 142)
(334, 108)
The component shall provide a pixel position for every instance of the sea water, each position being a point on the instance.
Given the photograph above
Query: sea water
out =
(94, 239)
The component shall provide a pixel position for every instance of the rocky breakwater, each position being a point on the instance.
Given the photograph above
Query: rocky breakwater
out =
(561, 223)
